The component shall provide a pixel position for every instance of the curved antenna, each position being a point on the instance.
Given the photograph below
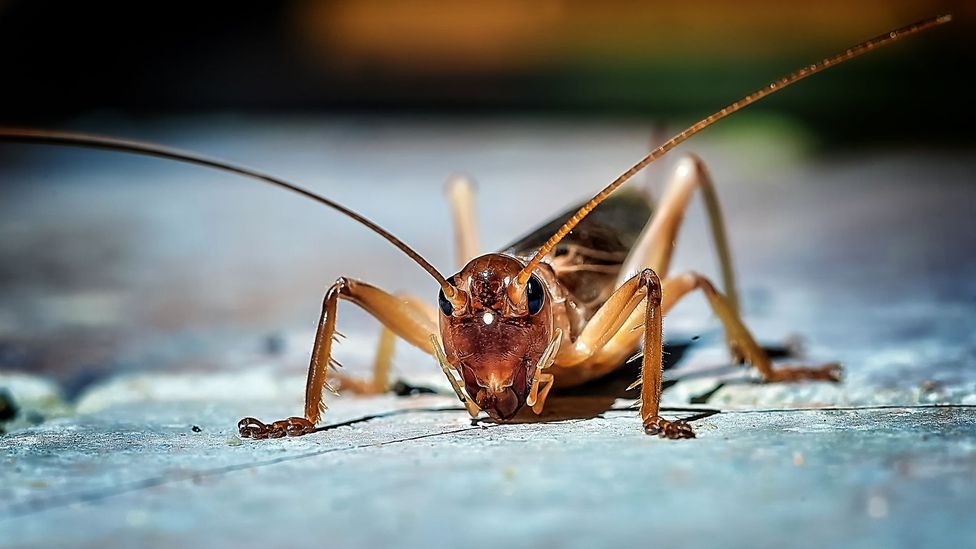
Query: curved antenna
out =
(796, 76)
(21, 135)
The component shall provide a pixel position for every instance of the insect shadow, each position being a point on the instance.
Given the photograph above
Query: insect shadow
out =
(595, 398)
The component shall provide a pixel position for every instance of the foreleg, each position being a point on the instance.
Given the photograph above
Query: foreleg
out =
(403, 318)
(613, 329)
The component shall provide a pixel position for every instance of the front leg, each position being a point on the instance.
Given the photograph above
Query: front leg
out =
(405, 318)
(652, 366)
(610, 337)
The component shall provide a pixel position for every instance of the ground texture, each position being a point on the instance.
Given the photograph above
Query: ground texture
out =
(145, 308)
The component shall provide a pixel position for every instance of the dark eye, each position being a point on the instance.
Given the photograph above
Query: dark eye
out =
(446, 306)
(536, 295)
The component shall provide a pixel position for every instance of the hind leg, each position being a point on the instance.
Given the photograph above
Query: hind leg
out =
(740, 341)
(620, 346)
(655, 247)
(460, 198)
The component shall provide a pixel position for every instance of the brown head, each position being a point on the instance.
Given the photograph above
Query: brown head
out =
(495, 337)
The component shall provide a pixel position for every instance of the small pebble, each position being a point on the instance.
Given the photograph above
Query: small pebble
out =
(877, 507)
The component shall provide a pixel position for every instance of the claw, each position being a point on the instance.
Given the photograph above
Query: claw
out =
(657, 425)
(297, 426)
(250, 427)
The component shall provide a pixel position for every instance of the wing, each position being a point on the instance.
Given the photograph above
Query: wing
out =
(588, 260)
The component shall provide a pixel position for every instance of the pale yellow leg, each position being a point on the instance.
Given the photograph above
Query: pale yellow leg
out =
(644, 289)
(460, 197)
(611, 321)
(655, 245)
(379, 382)
(742, 345)
(542, 382)
(541, 386)
(449, 370)
(605, 323)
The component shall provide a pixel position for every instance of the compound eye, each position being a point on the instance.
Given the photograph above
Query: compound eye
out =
(535, 295)
(446, 306)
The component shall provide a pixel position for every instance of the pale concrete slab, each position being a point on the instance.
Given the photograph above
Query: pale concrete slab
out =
(143, 476)
(159, 298)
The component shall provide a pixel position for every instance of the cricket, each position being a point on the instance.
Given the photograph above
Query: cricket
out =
(566, 304)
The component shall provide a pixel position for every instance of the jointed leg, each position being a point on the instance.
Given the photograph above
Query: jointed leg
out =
(621, 323)
(460, 197)
(404, 318)
(741, 343)
(655, 246)
(610, 335)
(652, 367)
(605, 324)
(615, 330)
(379, 382)
(542, 381)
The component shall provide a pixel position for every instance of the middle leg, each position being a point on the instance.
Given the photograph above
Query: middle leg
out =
(379, 382)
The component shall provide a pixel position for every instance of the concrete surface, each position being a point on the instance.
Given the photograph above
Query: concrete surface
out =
(141, 476)
(138, 300)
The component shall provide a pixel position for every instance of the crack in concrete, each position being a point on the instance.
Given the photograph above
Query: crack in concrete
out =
(62, 500)
(713, 411)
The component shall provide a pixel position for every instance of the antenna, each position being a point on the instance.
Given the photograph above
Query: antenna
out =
(796, 76)
(44, 137)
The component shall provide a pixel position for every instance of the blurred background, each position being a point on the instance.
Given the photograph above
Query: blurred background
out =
(626, 59)
(112, 263)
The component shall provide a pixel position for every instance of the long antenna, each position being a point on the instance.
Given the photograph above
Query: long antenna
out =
(20, 135)
(791, 78)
